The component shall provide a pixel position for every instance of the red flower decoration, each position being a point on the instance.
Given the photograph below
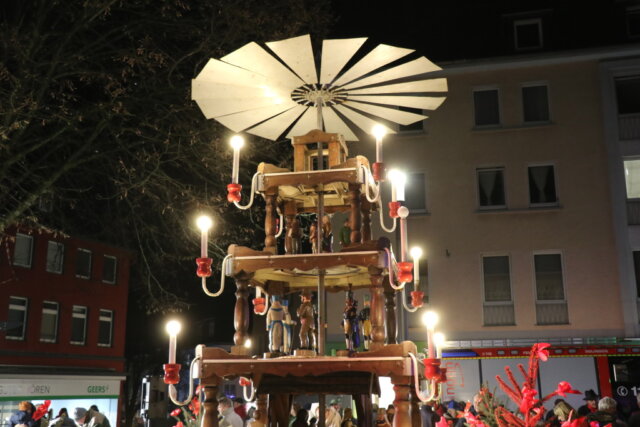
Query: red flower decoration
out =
(472, 420)
(176, 412)
(564, 387)
(578, 422)
(195, 405)
(443, 423)
(540, 350)
(528, 399)
(179, 424)
(41, 410)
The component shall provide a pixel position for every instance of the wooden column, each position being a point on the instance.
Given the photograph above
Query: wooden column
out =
(402, 402)
(292, 230)
(365, 209)
(241, 314)
(354, 214)
(377, 309)
(390, 312)
(416, 417)
(270, 222)
(364, 409)
(210, 405)
(279, 409)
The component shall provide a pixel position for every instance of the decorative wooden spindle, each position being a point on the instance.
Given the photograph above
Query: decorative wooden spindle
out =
(365, 209)
(377, 308)
(210, 404)
(390, 311)
(270, 222)
(354, 214)
(241, 312)
(402, 402)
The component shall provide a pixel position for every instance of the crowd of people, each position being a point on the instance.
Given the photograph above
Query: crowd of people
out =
(82, 417)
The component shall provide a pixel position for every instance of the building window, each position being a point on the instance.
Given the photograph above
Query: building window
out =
(105, 328)
(498, 305)
(83, 264)
(535, 103)
(17, 318)
(551, 305)
(486, 107)
(528, 34)
(542, 185)
(632, 178)
(79, 325)
(628, 94)
(23, 250)
(55, 257)
(415, 193)
(49, 324)
(491, 188)
(413, 127)
(109, 269)
(633, 22)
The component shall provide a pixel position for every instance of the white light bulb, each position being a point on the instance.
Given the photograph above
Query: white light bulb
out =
(247, 343)
(204, 223)
(397, 177)
(173, 327)
(416, 252)
(430, 319)
(379, 131)
(237, 142)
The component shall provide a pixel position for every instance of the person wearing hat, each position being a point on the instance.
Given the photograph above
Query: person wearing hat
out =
(591, 404)
(90, 418)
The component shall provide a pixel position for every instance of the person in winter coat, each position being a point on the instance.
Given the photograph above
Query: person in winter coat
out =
(606, 414)
(23, 416)
(62, 420)
(90, 418)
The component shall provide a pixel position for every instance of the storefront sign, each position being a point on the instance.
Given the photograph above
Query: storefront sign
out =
(59, 387)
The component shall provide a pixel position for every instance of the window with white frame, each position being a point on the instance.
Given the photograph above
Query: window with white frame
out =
(632, 178)
(498, 305)
(628, 94)
(486, 107)
(527, 34)
(79, 325)
(551, 304)
(83, 263)
(542, 185)
(535, 103)
(105, 328)
(55, 257)
(415, 197)
(17, 318)
(109, 269)
(23, 250)
(636, 269)
(49, 323)
(491, 193)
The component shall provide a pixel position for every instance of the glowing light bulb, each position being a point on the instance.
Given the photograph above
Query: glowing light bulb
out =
(430, 319)
(398, 180)
(416, 252)
(204, 223)
(237, 142)
(173, 328)
(379, 132)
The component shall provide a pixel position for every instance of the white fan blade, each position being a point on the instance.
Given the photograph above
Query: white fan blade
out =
(335, 54)
(391, 114)
(363, 122)
(298, 55)
(307, 122)
(273, 127)
(432, 85)
(421, 102)
(238, 122)
(252, 57)
(417, 66)
(224, 73)
(381, 55)
(213, 108)
(206, 89)
(334, 124)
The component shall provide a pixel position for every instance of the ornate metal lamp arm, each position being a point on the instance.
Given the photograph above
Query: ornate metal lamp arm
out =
(245, 382)
(222, 279)
(433, 392)
(388, 230)
(173, 393)
(368, 178)
(252, 193)
(391, 272)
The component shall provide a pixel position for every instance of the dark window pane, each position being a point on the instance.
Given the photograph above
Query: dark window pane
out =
(55, 257)
(542, 185)
(23, 250)
(109, 269)
(415, 198)
(549, 277)
(16, 318)
(636, 267)
(633, 23)
(528, 35)
(485, 103)
(104, 328)
(497, 284)
(535, 104)
(628, 95)
(78, 325)
(83, 264)
(491, 188)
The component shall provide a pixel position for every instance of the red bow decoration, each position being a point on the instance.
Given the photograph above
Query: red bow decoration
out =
(41, 410)
(564, 387)
(540, 350)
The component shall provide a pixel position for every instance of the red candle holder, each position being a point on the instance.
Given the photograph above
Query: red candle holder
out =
(393, 209)
(442, 378)
(416, 298)
(244, 382)
(404, 272)
(378, 171)
(431, 368)
(233, 192)
(171, 373)
(259, 305)
(204, 267)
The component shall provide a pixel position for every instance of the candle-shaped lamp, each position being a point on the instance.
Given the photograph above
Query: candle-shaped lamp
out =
(248, 343)
(173, 329)
(204, 223)
(398, 180)
(439, 341)
(430, 320)
(416, 254)
(378, 132)
(237, 142)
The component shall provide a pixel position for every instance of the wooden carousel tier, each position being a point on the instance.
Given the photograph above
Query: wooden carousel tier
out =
(294, 272)
(302, 187)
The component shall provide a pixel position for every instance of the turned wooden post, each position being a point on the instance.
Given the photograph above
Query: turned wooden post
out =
(270, 223)
(390, 309)
(210, 404)
(292, 230)
(416, 417)
(354, 214)
(365, 209)
(402, 402)
(241, 313)
(377, 308)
